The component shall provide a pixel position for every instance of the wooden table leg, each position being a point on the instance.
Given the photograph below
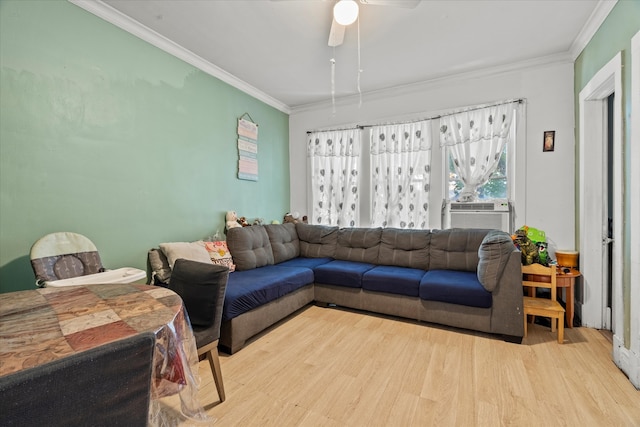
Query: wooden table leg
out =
(567, 286)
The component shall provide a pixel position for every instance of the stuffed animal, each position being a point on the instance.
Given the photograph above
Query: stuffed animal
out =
(294, 217)
(232, 220)
(242, 221)
(528, 249)
(258, 221)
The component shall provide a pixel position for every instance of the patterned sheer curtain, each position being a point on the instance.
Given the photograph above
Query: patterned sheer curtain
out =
(401, 169)
(334, 163)
(475, 140)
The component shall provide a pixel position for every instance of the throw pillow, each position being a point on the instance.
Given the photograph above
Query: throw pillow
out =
(194, 251)
(219, 254)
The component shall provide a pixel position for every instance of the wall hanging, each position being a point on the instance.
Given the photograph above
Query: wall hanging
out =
(247, 148)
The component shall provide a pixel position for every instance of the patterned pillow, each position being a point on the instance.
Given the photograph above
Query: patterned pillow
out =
(219, 253)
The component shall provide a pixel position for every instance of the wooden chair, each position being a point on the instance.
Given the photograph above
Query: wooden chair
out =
(546, 307)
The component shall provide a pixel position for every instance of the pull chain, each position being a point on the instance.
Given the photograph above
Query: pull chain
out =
(359, 67)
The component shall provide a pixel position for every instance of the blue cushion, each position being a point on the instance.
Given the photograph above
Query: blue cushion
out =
(305, 262)
(342, 273)
(455, 287)
(253, 288)
(393, 280)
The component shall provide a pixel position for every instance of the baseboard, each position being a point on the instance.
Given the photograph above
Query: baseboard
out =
(627, 361)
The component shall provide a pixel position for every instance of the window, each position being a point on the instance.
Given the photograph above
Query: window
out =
(477, 148)
(495, 188)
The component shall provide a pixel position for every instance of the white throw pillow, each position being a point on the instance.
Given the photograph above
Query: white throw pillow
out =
(194, 251)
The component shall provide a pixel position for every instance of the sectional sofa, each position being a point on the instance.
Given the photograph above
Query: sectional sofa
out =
(465, 278)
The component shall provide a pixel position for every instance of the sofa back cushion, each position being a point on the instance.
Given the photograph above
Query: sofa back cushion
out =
(405, 248)
(493, 254)
(284, 241)
(455, 249)
(249, 247)
(359, 244)
(317, 241)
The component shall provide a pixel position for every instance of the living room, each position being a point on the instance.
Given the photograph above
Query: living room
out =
(106, 135)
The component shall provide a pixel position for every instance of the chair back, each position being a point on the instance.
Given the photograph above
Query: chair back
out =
(109, 385)
(202, 288)
(547, 275)
(64, 255)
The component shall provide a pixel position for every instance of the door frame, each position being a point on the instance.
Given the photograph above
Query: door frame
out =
(592, 182)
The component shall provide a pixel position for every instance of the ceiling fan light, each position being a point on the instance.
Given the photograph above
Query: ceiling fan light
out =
(345, 12)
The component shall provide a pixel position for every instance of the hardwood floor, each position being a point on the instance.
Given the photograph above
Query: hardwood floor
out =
(334, 367)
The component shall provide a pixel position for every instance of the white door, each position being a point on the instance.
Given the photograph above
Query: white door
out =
(594, 191)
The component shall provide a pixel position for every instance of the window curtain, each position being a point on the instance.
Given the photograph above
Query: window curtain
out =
(475, 140)
(334, 163)
(400, 170)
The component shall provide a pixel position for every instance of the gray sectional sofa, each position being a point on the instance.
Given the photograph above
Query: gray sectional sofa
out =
(465, 278)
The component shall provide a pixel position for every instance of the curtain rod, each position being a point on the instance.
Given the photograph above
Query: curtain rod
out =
(463, 110)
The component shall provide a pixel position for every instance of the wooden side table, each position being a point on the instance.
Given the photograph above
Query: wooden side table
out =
(566, 282)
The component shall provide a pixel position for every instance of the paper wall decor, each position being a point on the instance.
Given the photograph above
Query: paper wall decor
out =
(247, 149)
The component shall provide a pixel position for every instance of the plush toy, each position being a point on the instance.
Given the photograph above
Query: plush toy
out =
(294, 217)
(258, 221)
(242, 221)
(232, 220)
(528, 249)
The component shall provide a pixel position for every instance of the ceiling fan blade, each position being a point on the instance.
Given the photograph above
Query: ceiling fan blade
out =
(336, 34)
(408, 4)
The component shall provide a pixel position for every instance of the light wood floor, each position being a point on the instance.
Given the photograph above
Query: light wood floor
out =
(333, 367)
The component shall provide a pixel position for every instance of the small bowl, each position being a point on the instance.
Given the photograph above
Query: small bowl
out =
(566, 258)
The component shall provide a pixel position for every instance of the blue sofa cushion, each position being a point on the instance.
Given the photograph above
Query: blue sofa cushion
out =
(342, 273)
(455, 287)
(305, 262)
(253, 288)
(393, 280)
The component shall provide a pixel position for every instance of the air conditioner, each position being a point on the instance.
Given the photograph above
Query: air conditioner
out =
(494, 214)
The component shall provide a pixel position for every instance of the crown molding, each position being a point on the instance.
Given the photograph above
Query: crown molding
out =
(117, 18)
(599, 14)
(559, 58)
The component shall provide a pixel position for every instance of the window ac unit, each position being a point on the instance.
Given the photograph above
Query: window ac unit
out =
(494, 214)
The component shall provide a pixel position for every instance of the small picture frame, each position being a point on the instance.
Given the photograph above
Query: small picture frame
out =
(549, 140)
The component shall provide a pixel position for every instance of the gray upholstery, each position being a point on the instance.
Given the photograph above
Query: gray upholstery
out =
(358, 244)
(284, 241)
(202, 288)
(317, 241)
(249, 247)
(109, 385)
(494, 251)
(158, 268)
(405, 248)
(455, 249)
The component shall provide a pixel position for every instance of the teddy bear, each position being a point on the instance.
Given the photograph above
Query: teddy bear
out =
(294, 217)
(232, 220)
(242, 221)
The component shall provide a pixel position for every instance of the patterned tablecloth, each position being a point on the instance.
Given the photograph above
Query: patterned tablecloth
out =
(42, 325)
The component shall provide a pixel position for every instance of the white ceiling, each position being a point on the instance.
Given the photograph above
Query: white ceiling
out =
(279, 47)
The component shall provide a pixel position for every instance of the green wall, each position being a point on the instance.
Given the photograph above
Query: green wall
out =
(107, 136)
(614, 36)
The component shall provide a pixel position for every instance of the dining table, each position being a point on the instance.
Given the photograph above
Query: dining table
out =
(43, 325)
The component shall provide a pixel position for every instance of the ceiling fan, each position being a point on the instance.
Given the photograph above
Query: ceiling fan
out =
(345, 13)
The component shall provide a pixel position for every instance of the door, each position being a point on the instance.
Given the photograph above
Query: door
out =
(601, 199)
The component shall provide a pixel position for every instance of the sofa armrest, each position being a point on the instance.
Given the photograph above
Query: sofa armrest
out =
(506, 308)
